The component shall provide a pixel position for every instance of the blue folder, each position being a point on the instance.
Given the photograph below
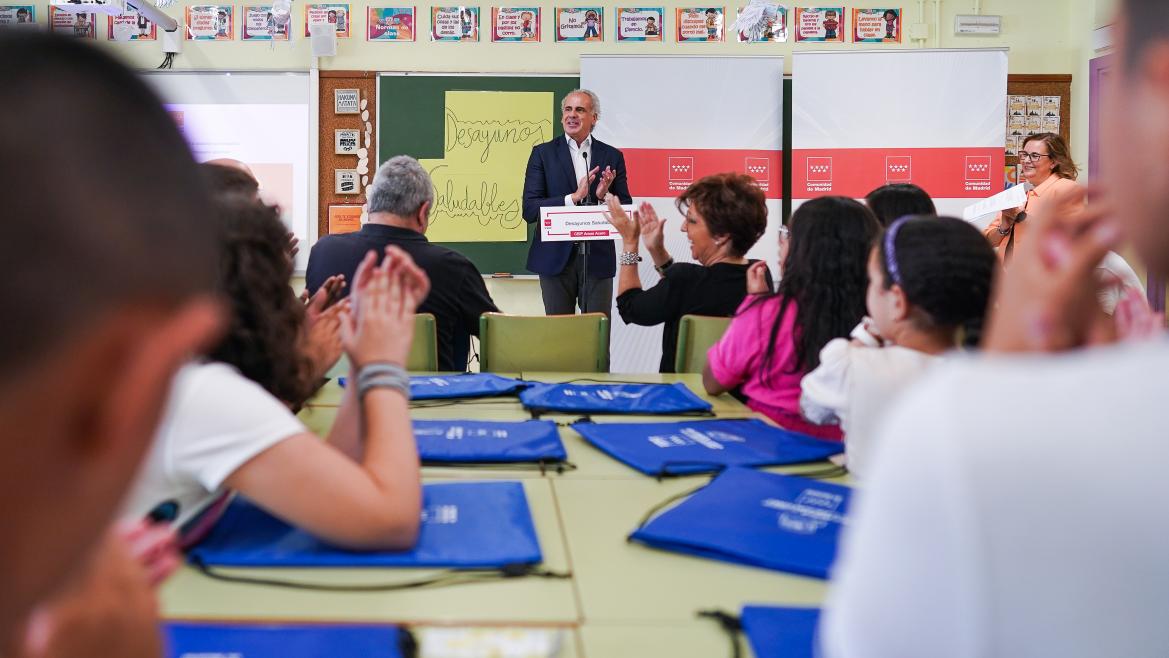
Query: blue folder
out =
(780, 632)
(613, 399)
(451, 387)
(464, 524)
(281, 641)
(780, 522)
(478, 441)
(703, 446)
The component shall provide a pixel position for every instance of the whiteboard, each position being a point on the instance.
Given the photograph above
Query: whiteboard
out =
(261, 118)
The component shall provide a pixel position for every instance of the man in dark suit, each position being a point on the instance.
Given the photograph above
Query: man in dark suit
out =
(572, 170)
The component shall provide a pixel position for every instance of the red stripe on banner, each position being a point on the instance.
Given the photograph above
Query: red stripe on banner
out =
(667, 172)
(947, 173)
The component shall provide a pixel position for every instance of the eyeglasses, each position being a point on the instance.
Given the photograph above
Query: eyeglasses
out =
(1032, 157)
(784, 232)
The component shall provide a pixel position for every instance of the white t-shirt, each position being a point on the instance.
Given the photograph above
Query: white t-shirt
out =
(215, 421)
(857, 385)
(1029, 528)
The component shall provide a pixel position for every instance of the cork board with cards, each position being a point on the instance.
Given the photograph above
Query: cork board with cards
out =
(347, 158)
(1036, 104)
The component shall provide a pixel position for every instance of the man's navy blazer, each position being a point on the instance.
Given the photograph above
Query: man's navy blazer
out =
(549, 178)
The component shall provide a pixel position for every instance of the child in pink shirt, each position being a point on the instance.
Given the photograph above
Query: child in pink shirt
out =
(775, 338)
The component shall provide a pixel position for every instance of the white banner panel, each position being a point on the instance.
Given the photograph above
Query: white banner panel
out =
(930, 117)
(677, 119)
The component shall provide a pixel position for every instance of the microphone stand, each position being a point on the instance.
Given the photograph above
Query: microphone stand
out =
(584, 246)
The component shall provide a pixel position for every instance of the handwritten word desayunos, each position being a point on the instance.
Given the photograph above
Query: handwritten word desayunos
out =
(485, 134)
(486, 206)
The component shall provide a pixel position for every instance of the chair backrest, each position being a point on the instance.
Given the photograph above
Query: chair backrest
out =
(424, 350)
(696, 333)
(557, 343)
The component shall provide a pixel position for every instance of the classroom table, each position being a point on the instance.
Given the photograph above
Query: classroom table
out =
(624, 599)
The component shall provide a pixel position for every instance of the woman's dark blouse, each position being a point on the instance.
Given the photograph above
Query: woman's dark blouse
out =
(686, 289)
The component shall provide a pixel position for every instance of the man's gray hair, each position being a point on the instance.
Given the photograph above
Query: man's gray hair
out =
(592, 97)
(400, 187)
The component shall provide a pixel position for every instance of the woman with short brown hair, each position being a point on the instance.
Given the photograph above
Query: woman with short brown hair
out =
(723, 215)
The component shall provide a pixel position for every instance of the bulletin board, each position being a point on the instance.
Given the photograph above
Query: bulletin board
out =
(1032, 85)
(331, 203)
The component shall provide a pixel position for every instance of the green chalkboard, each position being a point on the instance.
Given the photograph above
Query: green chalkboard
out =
(411, 111)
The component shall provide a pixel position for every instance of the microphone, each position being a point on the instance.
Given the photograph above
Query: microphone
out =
(588, 187)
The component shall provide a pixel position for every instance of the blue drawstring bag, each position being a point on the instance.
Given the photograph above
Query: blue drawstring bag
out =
(477, 441)
(470, 385)
(775, 632)
(451, 387)
(703, 446)
(282, 641)
(781, 522)
(464, 524)
(672, 399)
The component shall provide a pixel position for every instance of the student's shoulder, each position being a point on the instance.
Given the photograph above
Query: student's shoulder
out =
(213, 383)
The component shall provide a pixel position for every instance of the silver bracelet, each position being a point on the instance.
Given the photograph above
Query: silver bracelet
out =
(629, 258)
(382, 375)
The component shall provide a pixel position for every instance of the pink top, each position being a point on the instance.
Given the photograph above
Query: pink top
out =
(737, 360)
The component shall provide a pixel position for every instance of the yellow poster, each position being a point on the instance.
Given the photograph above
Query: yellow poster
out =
(479, 183)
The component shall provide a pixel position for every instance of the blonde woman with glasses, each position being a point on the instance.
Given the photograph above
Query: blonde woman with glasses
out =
(1051, 179)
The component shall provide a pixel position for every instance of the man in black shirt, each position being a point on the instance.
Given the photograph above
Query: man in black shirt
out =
(399, 200)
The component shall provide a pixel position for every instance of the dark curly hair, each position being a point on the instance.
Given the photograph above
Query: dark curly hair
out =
(946, 267)
(263, 339)
(896, 200)
(732, 205)
(824, 275)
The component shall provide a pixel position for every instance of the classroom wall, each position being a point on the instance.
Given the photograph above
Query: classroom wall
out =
(1038, 33)
(1043, 36)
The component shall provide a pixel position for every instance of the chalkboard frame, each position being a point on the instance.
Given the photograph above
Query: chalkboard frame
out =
(488, 257)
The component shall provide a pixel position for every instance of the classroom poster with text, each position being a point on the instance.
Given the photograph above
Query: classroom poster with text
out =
(580, 23)
(771, 29)
(881, 25)
(131, 26)
(260, 26)
(819, 24)
(487, 139)
(328, 14)
(454, 23)
(344, 219)
(210, 22)
(82, 26)
(390, 24)
(18, 15)
(515, 24)
(700, 24)
(640, 23)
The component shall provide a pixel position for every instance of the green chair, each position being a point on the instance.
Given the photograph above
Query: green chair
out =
(547, 343)
(424, 350)
(696, 333)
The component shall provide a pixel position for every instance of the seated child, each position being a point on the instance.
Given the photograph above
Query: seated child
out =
(929, 286)
(227, 427)
(776, 338)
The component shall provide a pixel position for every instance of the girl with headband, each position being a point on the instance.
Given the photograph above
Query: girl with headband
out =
(929, 287)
